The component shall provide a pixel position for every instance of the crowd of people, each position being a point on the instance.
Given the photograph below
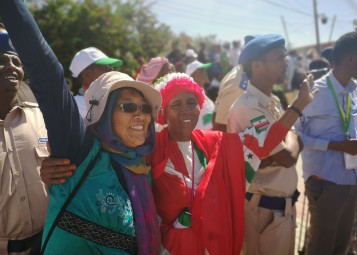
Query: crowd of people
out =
(154, 164)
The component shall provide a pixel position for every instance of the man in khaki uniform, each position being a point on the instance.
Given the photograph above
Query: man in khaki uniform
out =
(232, 86)
(23, 137)
(229, 91)
(269, 210)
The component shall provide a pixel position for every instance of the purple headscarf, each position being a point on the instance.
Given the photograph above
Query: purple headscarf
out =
(137, 185)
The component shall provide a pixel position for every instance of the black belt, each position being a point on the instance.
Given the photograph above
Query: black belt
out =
(274, 203)
(79, 226)
(22, 245)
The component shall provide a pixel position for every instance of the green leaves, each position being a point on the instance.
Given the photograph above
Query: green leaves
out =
(122, 29)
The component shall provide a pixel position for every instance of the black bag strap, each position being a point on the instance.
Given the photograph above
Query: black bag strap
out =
(69, 199)
(120, 176)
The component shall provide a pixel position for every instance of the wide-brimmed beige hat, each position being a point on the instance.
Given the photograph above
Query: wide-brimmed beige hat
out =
(97, 94)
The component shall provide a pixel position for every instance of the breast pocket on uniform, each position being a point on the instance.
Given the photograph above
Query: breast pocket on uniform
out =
(41, 153)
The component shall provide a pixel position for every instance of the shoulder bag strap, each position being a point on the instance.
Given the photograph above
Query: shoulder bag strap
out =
(69, 199)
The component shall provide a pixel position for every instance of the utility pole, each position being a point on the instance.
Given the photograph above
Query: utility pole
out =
(332, 28)
(316, 19)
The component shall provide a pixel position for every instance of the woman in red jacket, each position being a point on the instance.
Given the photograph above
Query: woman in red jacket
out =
(199, 177)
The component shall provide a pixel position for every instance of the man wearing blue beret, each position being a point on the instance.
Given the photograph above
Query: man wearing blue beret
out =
(269, 210)
(329, 135)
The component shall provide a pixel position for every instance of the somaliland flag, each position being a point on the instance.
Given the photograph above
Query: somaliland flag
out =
(252, 162)
(260, 123)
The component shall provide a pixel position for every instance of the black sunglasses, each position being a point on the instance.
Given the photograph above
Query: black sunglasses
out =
(132, 107)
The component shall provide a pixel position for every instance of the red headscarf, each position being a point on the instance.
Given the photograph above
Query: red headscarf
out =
(173, 84)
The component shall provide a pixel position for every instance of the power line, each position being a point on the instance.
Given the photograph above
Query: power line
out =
(195, 17)
(297, 4)
(187, 8)
(187, 12)
(234, 4)
(184, 9)
(287, 7)
(295, 27)
(238, 18)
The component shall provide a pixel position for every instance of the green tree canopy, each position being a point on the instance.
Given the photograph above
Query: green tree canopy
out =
(125, 29)
(122, 29)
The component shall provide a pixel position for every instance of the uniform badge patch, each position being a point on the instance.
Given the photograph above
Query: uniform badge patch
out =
(260, 123)
(42, 140)
(244, 82)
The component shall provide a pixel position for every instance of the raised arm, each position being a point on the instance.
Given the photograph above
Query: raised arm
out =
(65, 126)
(266, 141)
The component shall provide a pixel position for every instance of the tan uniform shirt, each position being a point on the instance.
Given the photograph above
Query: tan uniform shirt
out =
(255, 108)
(23, 195)
(229, 91)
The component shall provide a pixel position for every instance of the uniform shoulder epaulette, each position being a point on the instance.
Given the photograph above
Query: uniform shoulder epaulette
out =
(25, 104)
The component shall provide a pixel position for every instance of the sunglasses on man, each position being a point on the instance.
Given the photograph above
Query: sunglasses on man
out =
(133, 107)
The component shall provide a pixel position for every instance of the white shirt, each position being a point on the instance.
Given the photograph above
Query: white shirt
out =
(205, 119)
(81, 105)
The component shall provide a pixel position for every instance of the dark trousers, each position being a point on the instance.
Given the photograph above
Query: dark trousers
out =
(332, 208)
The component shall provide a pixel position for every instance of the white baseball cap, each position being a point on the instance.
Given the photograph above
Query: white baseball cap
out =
(191, 53)
(191, 68)
(88, 56)
(97, 94)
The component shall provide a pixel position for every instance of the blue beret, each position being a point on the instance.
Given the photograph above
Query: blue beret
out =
(259, 45)
(5, 43)
(248, 38)
(327, 53)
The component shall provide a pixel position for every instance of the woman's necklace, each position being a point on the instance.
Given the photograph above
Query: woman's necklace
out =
(185, 216)
(191, 191)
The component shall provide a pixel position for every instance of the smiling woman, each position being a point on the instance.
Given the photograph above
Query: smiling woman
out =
(182, 114)
(120, 116)
(132, 131)
(130, 125)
